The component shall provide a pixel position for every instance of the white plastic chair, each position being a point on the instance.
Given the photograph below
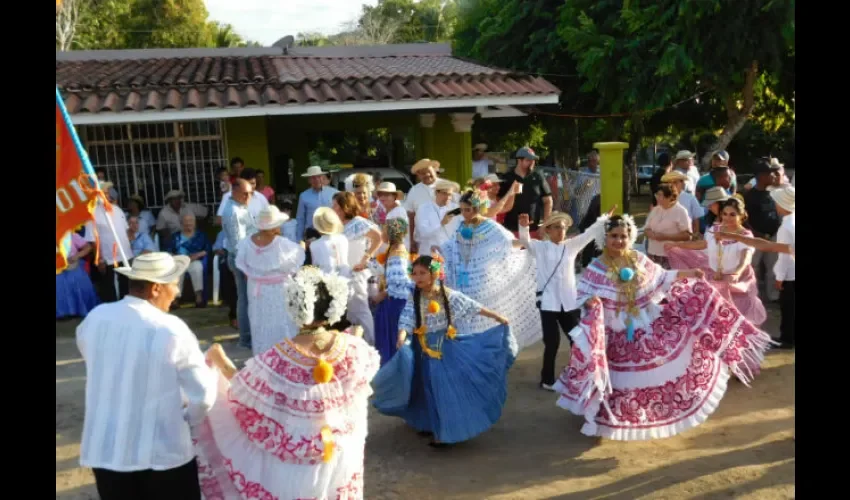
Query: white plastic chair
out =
(216, 280)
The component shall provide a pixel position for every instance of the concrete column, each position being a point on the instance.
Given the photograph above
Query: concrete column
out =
(425, 144)
(611, 174)
(462, 124)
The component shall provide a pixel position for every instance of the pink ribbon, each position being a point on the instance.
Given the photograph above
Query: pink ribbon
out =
(274, 279)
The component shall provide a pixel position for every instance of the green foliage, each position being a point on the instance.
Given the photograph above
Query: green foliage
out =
(413, 21)
(138, 24)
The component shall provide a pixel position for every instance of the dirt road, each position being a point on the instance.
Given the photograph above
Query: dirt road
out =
(745, 450)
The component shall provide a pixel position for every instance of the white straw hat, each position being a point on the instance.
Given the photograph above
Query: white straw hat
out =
(156, 267)
(784, 197)
(713, 195)
(174, 193)
(313, 171)
(684, 155)
(423, 164)
(446, 185)
(389, 187)
(270, 218)
(326, 221)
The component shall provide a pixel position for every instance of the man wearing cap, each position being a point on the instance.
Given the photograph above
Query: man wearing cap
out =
(255, 204)
(764, 221)
(319, 194)
(717, 175)
(436, 223)
(147, 384)
(535, 198)
(238, 224)
(109, 249)
(480, 163)
(684, 162)
(170, 219)
(695, 211)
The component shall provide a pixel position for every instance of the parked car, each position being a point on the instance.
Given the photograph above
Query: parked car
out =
(403, 182)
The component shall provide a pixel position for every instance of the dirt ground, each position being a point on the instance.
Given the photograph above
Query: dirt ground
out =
(745, 450)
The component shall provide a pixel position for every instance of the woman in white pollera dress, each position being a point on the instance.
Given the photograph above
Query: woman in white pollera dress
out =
(268, 260)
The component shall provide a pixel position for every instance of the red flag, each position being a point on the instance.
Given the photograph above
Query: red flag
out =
(75, 195)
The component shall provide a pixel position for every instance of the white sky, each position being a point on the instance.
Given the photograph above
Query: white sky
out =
(266, 21)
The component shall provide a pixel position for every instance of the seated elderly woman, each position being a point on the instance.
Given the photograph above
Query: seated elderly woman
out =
(195, 245)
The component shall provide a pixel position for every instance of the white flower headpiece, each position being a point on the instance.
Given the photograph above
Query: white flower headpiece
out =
(626, 221)
(301, 295)
(358, 180)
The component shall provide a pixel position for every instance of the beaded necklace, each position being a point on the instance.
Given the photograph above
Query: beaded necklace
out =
(626, 277)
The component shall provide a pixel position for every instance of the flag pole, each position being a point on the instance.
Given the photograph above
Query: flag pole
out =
(87, 168)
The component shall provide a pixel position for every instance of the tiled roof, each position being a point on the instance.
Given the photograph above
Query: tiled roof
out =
(104, 85)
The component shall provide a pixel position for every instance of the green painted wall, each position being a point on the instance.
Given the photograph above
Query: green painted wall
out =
(452, 149)
(247, 138)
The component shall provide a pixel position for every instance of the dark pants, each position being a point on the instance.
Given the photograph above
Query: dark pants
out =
(105, 283)
(786, 307)
(180, 483)
(228, 287)
(552, 338)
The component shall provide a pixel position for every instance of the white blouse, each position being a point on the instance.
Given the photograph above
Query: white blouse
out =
(330, 254)
(727, 260)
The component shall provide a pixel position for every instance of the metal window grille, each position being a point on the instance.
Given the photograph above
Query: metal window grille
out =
(153, 158)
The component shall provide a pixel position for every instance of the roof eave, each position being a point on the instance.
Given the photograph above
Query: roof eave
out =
(308, 109)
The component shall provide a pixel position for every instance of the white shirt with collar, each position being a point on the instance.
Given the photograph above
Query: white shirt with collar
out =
(560, 293)
(106, 236)
(785, 268)
(429, 229)
(142, 364)
(255, 204)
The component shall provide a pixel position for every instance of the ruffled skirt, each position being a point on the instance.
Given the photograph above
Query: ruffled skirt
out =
(456, 397)
(744, 293)
(75, 295)
(671, 377)
(387, 315)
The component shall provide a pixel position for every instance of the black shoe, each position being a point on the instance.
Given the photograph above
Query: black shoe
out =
(200, 305)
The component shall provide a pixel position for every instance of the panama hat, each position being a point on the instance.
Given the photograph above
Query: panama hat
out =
(480, 147)
(784, 197)
(270, 218)
(557, 217)
(105, 186)
(313, 171)
(389, 187)
(446, 185)
(156, 267)
(714, 195)
(423, 164)
(174, 193)
(684, 155)
(673, 176)
(326, 221)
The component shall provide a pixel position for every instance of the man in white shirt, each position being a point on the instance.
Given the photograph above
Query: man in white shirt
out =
(684, 162)
(436, 222)
(480, 163)
(422, 192)
(109, 249)
(556, 281)
(255, 204)
(785, 269)
(147, 383)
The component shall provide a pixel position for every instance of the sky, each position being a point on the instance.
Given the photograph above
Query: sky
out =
(267, 21)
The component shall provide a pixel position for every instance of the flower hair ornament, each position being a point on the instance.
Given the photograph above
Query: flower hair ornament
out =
(626, 221)
(357, 181)
(301, 295)
(396, 228)
(437, 267)
(478, 197)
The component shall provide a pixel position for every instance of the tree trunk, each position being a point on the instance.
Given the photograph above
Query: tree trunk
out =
(736, 118)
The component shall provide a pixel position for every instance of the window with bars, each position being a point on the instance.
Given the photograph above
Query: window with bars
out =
(151, 159)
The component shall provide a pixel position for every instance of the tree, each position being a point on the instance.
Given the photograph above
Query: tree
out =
(409, 21)
(643, 55)
(67, 15)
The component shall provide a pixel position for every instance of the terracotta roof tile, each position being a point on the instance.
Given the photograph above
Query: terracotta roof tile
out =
(102, 86)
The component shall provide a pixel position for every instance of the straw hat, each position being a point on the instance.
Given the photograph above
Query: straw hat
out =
(156, 267)
(313, 171)
(446, 185)
(683, 155)
(389, 187)
(480, 147)
(270, 218)
(673, 176)
(714, 195)
(555, 218)
(174, 193)
(326, 221)
(138, 199)
(784, 197)
(423, 164)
